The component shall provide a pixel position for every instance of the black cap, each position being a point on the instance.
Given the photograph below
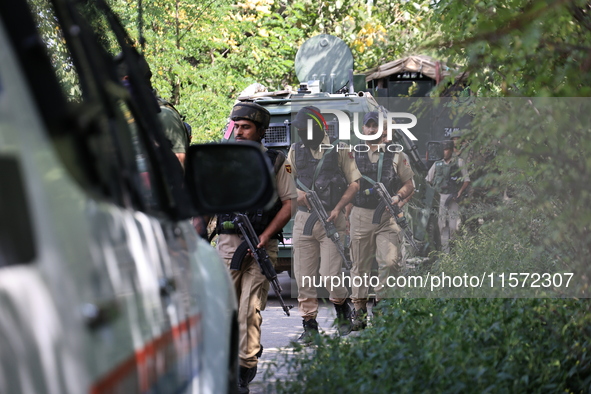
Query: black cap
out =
(253, 112)
(301, 119)
(371, 116)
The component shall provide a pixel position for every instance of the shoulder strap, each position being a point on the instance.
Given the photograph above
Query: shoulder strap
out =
(277, 159)
(380, 166)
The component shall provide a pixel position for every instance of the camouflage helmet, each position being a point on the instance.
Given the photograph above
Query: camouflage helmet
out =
(253, 112)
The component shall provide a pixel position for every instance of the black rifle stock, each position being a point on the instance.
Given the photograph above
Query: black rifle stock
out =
(251, 239)
(395, 211)
(329, 227)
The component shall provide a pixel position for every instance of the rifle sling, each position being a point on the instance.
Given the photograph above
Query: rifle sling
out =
(380, 166)
(212, 235)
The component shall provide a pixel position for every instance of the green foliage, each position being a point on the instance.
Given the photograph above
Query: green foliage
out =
(536, 150)
(517, 47)
(538, 154)
(203, 53)
(58, 52)
(450, 346)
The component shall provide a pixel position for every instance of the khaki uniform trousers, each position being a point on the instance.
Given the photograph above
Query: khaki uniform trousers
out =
(368, 241)
(252, 289)
(312, 255)
(449, 221)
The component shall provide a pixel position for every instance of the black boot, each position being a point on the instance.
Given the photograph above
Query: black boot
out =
(343, 320)
(310, 331)
(246, 376)
(359, 319)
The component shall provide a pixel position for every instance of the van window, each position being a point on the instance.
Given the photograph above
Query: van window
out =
(52, 35)
(105, 153)
(17, 245)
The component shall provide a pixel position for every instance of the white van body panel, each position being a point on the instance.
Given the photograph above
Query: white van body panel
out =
(95, 257)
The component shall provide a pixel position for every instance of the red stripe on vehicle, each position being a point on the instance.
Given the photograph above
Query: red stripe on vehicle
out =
(140, 371)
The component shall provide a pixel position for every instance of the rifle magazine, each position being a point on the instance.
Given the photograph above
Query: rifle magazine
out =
(377, 215)
(309, 226)
(238, 256)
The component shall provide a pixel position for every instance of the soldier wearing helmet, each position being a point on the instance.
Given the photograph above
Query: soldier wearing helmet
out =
(456, 137)
(450, 179)
(250, 123)
(461, 147)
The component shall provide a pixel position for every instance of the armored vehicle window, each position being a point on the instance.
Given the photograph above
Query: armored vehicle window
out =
(17, 245)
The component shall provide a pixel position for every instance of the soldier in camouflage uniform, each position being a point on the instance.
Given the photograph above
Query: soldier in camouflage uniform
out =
(450, 179)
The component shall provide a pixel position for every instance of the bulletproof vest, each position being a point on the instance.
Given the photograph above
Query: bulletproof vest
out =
(389, 178)
(330, 183)
(447, 176)
(260, 218)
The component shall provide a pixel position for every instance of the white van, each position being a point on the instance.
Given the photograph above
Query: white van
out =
(105, 287)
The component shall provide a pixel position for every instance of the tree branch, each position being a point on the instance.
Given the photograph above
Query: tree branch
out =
(196, 20)
(527, 17)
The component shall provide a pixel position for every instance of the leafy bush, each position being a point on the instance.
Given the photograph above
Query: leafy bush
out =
(454, 345)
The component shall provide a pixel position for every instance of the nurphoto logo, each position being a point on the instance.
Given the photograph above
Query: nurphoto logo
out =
(345, 129)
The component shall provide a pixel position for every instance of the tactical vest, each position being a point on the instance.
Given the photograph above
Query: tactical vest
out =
(447, 179)
(259, 219)
(389, 178)
(330, 183)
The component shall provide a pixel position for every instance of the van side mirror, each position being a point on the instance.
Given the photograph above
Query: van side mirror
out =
(229, 177)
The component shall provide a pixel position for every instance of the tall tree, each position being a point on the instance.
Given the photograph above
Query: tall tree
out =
(530, 48)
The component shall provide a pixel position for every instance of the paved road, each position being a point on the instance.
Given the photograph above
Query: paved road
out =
(279, 330)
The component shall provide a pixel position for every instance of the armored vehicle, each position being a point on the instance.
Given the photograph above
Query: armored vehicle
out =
(404, 85)
(324, 65)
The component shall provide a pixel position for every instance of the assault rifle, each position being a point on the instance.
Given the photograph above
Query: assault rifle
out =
(393, 209)
(251, 240)
(319, 213)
